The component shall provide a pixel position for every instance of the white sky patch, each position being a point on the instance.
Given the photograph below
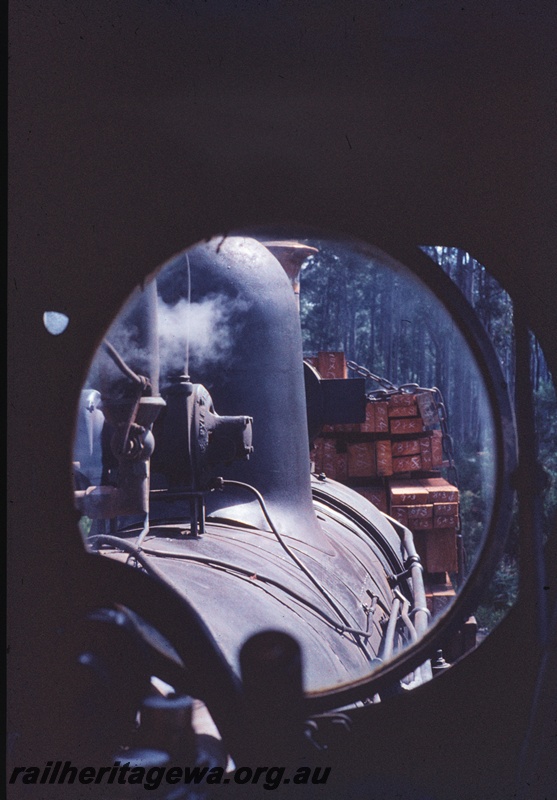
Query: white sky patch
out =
(55, 322)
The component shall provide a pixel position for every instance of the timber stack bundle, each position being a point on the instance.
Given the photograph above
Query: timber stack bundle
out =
(394, 459)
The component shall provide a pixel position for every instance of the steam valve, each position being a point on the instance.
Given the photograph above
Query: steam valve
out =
(192, 439)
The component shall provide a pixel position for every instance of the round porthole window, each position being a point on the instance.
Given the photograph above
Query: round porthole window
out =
(300, 433)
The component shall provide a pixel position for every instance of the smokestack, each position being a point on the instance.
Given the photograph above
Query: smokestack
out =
(291, 256)
(261, 377)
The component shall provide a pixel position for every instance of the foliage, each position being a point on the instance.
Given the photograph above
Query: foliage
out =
(85, 524)
(499, 595)
(353, 300)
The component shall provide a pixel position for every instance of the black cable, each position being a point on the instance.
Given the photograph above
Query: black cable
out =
(122, 544)
(285, 547)
(133, 550)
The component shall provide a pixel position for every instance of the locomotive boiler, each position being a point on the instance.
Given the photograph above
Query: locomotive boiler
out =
(192, 463)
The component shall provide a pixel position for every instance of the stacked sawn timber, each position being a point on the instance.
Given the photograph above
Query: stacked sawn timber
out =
(394, 459)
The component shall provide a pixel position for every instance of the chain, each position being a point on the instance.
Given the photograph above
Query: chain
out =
(387, 386)
(388, 389)
(452, 474)
(447, 439)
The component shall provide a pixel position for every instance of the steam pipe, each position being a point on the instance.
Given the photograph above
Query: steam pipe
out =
(406, 619)
(388, 641)
(418, 674)
(122, 366)
(420, 610)
(144, 531)
(421, 613)
(152, 322)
